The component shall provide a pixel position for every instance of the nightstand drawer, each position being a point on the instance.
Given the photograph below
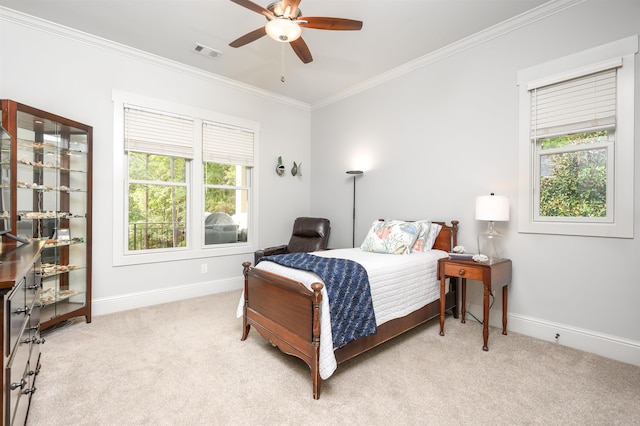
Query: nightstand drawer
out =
(462, 271)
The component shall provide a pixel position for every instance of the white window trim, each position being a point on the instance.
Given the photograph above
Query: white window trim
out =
(196, 247)
(561, 69)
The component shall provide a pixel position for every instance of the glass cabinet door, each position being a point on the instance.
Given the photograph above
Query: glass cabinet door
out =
(53, 203)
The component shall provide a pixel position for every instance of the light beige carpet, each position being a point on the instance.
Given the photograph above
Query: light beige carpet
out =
(183, 364)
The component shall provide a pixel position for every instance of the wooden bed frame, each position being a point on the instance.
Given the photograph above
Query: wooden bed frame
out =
(287, 314)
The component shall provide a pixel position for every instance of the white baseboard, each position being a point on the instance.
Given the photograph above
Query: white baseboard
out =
(109, 305)
(609, 346)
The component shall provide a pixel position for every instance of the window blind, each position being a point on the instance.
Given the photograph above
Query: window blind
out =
(157, 133)
(578, 105)
(227, 145)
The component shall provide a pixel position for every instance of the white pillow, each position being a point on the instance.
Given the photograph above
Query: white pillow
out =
(391, 236)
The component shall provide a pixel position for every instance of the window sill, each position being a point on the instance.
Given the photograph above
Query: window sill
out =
(172, 255)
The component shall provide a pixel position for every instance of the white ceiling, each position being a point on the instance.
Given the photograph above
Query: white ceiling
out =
(394, 33)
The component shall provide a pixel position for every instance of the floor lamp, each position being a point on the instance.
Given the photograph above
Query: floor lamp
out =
(355, 174)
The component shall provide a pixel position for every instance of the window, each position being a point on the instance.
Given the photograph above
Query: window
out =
(576, 143)
(573, 136)
(183, 182)
(227, 154)
(574, 177)
(159, 150)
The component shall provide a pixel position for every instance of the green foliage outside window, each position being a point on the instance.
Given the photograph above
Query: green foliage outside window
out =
(157, 201)
(574, 183)
(223, 175)
(158, 198)
(157, 167)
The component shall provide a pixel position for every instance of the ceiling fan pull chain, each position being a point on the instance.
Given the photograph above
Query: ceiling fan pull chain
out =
(282, 67)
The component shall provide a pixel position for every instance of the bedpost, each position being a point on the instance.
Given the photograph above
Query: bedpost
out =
(315, 367)
(245, 327)
(454, 233)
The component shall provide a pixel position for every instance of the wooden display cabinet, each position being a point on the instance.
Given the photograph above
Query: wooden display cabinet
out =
(52, 179)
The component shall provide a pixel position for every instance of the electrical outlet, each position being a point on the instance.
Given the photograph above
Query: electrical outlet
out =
(203, 268)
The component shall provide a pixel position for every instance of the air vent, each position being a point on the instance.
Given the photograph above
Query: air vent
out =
(208, 51)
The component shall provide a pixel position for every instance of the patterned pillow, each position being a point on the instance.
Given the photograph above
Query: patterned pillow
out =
(391, 236)
(434, 230)
(419, 245)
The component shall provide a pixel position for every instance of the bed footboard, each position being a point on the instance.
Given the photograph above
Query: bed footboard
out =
(287, 314)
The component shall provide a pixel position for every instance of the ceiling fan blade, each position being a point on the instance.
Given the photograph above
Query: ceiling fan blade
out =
(255, 7)
(302, 50)
(249, 37)
(323, 23)
(293, 4)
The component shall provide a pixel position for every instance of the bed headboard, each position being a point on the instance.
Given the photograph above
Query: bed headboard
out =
(448, 237)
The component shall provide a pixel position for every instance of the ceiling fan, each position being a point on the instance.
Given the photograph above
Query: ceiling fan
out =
(285, 23)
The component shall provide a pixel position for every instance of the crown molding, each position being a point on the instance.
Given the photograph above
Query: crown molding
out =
(62, 31)
(484, 36)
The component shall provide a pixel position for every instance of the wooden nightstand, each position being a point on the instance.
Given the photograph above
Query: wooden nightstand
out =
(493, 275)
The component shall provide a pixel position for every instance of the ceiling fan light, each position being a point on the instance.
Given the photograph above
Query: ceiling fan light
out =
(283, 30)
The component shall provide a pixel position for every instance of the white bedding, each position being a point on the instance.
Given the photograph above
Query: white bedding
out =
(400, 284)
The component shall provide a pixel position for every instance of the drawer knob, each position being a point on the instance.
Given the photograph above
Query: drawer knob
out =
(24, 310)
(461, 272)
(20, 385)
(29, 340)
(29, 391)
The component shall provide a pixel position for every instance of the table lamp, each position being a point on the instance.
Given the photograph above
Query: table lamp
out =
(491, 208)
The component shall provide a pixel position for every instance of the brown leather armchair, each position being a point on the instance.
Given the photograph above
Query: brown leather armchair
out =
(309, 234)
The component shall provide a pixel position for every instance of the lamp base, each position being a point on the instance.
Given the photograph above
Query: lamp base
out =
(490, 243)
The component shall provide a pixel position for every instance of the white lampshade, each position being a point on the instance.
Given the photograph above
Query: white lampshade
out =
(492, 207)
(283, 30)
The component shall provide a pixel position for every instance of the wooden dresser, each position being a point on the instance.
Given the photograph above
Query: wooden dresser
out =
(20, 333)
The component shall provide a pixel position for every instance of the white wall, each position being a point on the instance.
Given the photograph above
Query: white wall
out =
(433, 139)
(73, 75)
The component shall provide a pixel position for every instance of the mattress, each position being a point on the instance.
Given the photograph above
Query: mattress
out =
(400, 284)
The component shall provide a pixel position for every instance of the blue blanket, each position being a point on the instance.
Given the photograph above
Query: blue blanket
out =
(347, 285)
